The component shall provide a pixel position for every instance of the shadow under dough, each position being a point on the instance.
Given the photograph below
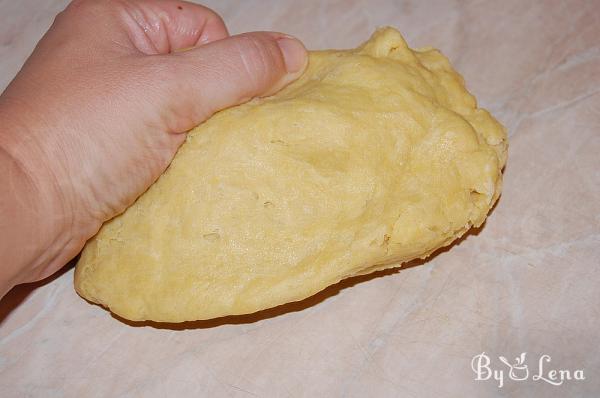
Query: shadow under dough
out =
(19, 293)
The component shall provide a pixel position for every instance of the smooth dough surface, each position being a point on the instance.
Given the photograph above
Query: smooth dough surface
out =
(375, 157)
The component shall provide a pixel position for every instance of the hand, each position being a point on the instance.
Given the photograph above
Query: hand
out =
(100, 108)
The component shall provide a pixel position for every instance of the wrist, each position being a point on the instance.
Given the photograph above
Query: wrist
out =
(36, 215)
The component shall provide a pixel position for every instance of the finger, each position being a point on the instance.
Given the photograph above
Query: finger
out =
(133, 26)
(163, 26)
(225, 73)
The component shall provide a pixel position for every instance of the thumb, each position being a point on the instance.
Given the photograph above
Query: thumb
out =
(227, 72)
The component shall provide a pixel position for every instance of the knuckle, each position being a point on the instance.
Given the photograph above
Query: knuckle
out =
(260, 59)
(79, 10)
(171, 85)
(78, 5)
(90, 8)
(210, 13)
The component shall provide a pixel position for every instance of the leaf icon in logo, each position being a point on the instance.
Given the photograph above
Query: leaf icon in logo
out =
(518, 371)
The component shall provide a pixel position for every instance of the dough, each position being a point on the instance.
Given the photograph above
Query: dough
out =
(375, 157)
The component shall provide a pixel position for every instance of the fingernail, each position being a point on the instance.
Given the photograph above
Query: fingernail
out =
(294, 54)
(182, 50)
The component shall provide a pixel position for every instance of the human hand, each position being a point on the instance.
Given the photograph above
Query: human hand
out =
(100, 108)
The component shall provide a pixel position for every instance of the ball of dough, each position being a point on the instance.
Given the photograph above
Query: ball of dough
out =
(374, 157)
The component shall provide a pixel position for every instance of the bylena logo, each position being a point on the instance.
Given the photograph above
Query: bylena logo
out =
(519, 370)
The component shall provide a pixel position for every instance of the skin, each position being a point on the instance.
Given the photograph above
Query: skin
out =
(101, 106)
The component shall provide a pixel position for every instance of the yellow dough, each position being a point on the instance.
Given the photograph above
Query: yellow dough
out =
(375, 157)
